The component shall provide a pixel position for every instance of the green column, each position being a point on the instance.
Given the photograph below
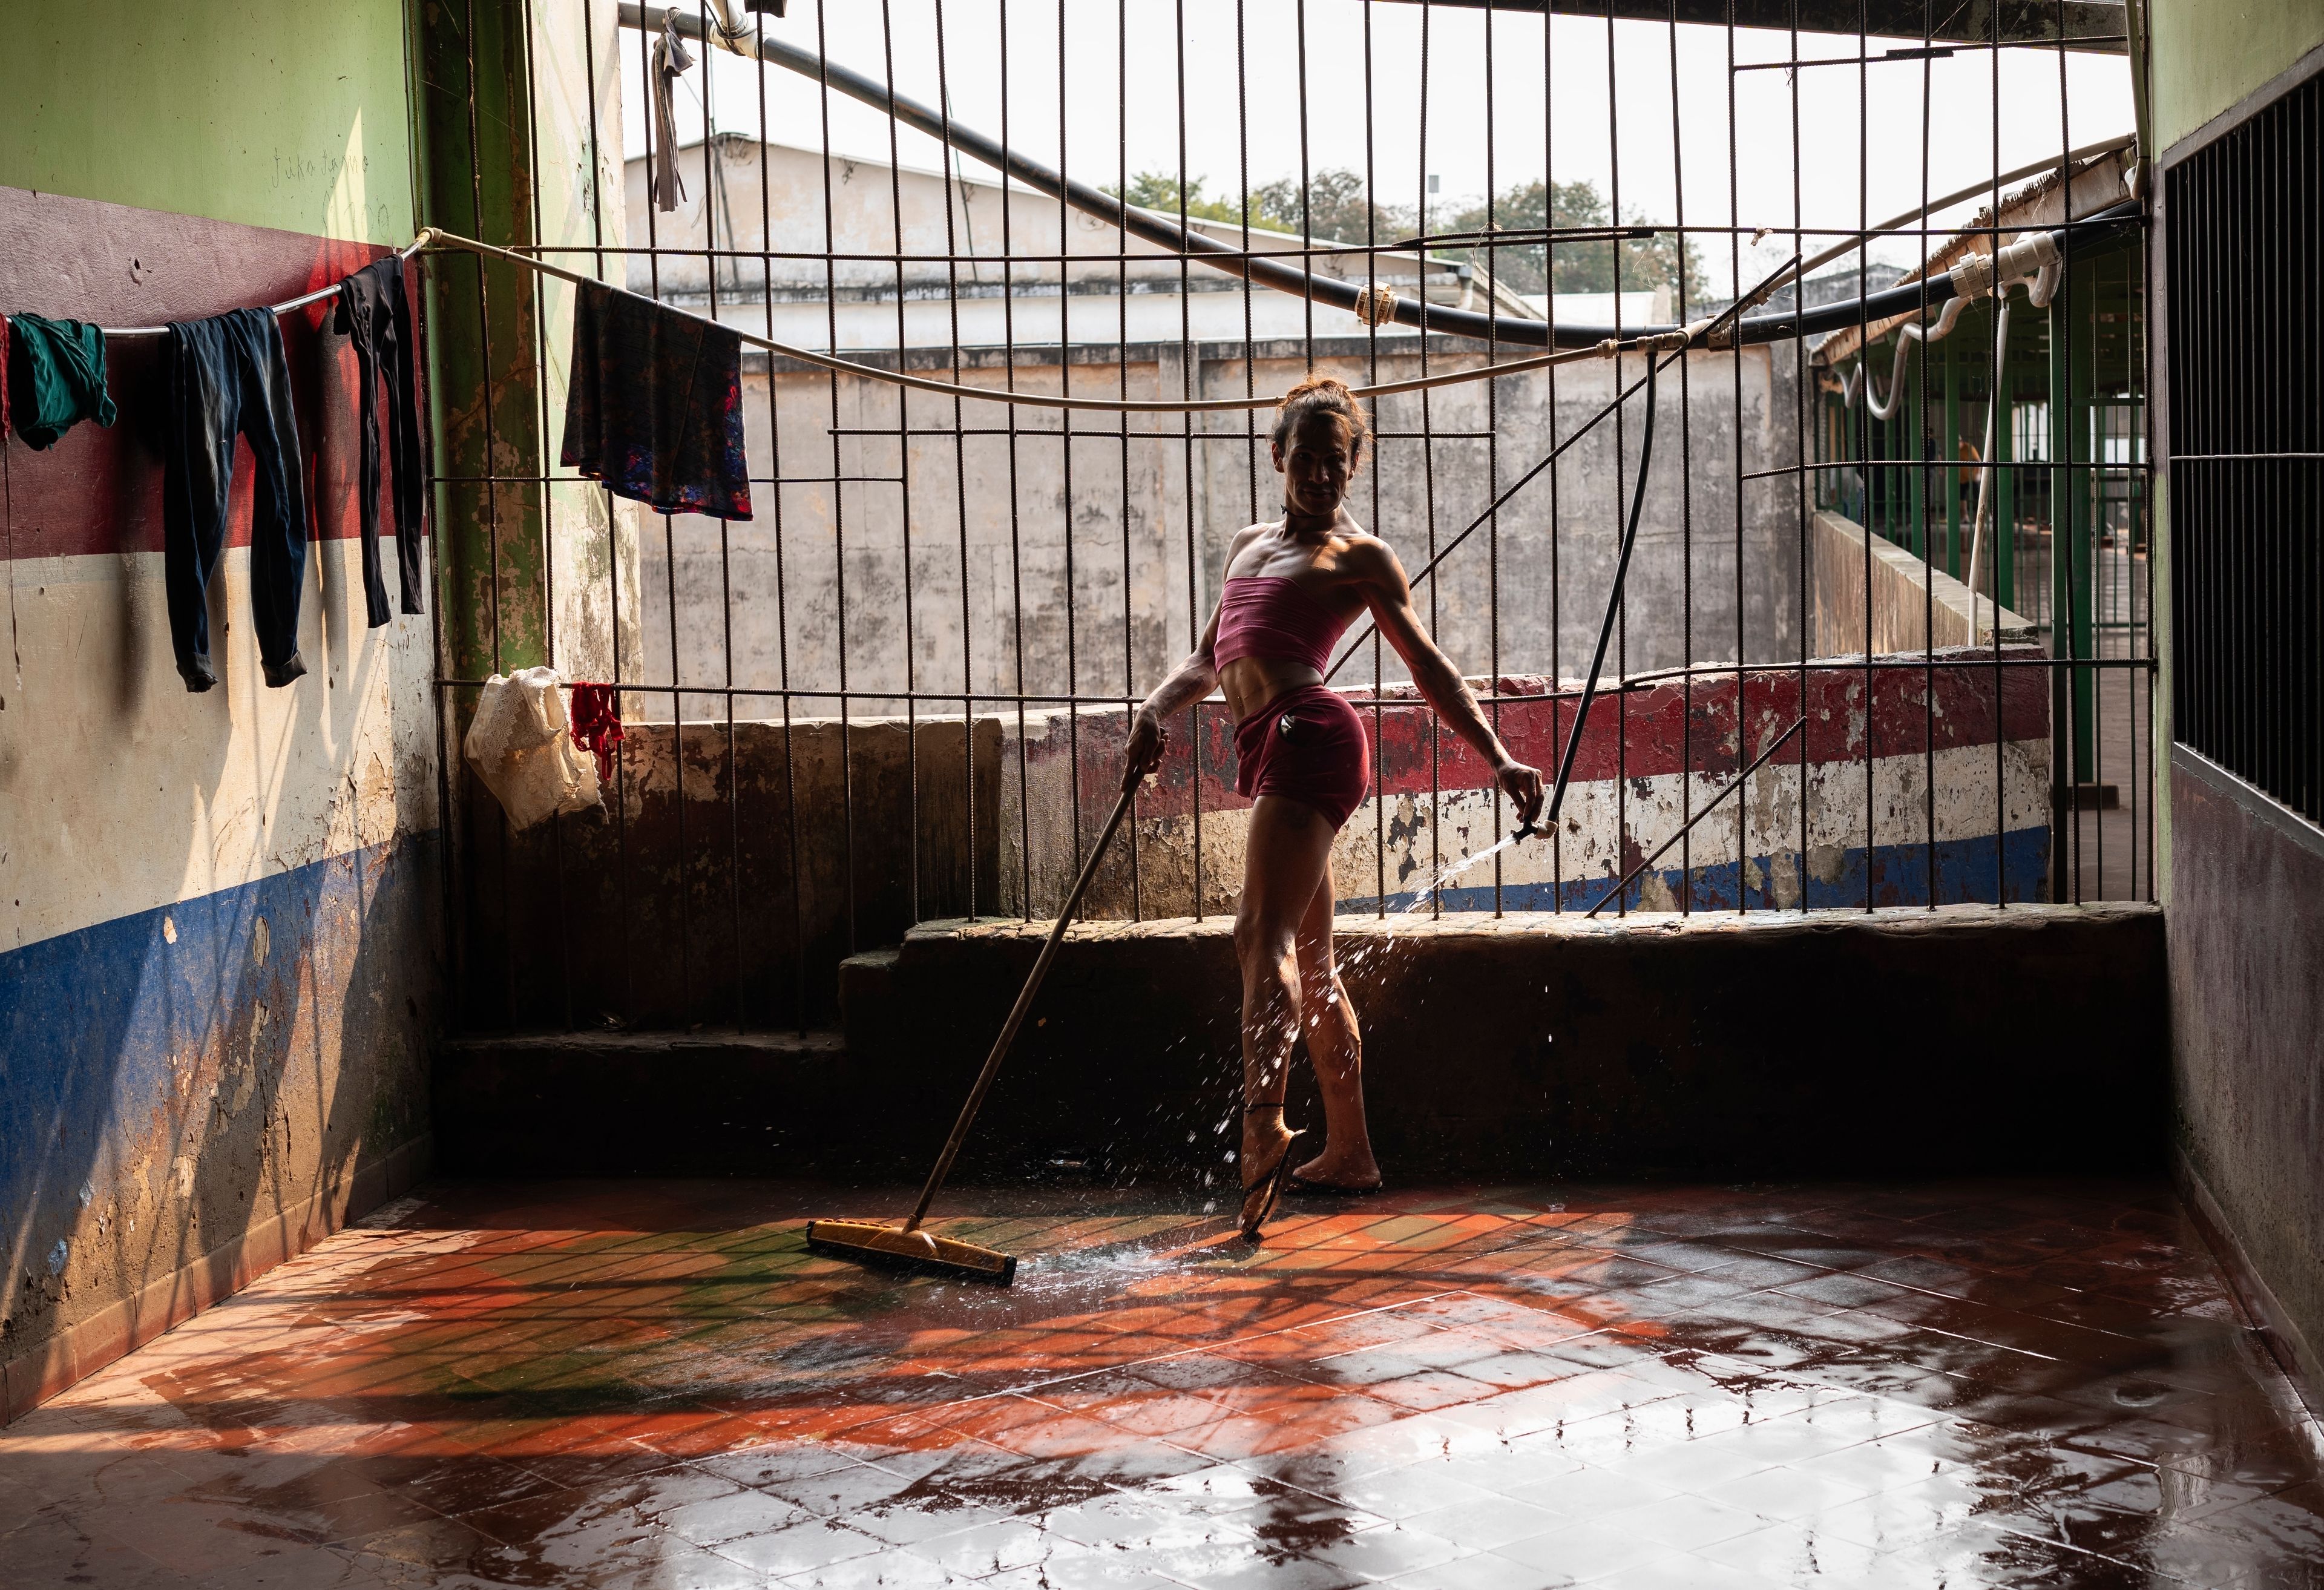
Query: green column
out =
(2073, 334)
(475, 140)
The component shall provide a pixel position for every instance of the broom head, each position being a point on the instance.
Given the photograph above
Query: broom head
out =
(921, 1251)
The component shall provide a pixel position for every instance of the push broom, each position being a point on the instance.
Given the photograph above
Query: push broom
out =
(907, 1247)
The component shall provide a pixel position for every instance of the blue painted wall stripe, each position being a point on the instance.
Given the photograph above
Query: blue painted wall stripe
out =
(1899, 873)
(110, 1035)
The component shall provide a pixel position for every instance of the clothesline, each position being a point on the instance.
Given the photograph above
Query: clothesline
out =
(431, 237)
(1648, 343)
(300, 302)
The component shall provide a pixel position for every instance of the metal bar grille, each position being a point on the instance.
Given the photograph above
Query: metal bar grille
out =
(892, 694)
(2246, 439)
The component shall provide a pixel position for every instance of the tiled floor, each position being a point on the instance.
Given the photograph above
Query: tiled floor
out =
(652, 1384)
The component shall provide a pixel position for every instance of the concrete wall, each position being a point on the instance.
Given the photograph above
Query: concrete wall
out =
(2244, 876)
(739, 194)
(218, 963)
(1853, 574)
(1711, 1045)
(733, 905)
(728, 897)
(2246, 1006)
(1650, 758)
(2208, 55)
(1096, 561)
(236, 110)
(1715, 1046)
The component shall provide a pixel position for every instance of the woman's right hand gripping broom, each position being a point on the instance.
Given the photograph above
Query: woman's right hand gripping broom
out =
(1143, 753)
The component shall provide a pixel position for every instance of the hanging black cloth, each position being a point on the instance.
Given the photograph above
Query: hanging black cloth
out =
(375, 314)
(655, 410)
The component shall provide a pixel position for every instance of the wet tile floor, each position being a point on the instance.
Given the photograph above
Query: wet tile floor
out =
(652, 1384)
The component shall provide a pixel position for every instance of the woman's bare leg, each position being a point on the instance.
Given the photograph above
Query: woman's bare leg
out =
(1287, 857)
(1328, 1022)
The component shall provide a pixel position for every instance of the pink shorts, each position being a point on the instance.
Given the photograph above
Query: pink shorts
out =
(1308, 745)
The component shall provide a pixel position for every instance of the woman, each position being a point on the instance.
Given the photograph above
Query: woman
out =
(1292, 587)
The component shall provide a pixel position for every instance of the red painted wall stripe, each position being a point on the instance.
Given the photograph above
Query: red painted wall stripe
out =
(99, 490)
(1640, 733)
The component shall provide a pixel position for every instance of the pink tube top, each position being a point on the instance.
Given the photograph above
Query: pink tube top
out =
(1273, 615)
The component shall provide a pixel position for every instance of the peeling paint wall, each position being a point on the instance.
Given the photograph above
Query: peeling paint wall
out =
(1648, 759)
(218, 936)
(734, 867)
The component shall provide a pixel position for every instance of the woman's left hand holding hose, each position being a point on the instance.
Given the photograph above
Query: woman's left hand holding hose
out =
(1522, 785)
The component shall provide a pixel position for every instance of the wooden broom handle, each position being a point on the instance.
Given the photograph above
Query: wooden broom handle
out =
(1016, 1013)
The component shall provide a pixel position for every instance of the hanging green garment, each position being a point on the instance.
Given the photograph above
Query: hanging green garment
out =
(56, 377)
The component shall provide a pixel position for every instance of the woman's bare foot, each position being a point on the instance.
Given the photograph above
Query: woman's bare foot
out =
(1333, 1171)
(1266, 1155)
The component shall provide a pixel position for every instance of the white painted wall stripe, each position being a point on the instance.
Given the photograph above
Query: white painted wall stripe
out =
(120, 792)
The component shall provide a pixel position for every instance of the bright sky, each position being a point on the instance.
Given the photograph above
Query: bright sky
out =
(1477, 117)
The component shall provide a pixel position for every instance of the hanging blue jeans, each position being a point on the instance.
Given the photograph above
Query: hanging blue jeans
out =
(226, 376)
(375, 314)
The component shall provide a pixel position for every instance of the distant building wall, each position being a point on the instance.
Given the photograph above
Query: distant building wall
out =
(1137, 531)
(1070, 277)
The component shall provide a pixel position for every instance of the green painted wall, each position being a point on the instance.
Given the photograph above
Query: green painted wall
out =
(252, 111)
(2208, 54)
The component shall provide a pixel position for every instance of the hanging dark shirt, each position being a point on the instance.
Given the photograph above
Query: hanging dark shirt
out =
(656, 406)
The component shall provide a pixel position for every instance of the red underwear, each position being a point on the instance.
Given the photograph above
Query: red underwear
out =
(1308, 745)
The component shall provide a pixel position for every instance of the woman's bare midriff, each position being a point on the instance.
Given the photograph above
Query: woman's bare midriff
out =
(1249, 683)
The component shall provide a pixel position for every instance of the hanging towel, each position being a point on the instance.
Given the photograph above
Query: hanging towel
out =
(376, 313)
(56, 377)
(656, 406)
(597, 724)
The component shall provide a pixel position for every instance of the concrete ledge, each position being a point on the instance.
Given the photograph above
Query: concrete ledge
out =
(1907, 598)
(629, 1104)
(1906, 1041)
(81, 1350)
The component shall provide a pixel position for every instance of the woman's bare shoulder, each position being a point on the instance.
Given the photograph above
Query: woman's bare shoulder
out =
(1362, 553)
(1242, 542)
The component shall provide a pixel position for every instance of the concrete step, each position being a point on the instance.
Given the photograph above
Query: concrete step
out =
(639, 1104)
(867, 994)
(1889, 1042)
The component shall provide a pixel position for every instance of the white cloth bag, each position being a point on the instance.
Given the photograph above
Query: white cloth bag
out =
(520, 745)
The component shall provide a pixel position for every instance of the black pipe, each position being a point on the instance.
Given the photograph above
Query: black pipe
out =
(1301, 281)
(1547, 822)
